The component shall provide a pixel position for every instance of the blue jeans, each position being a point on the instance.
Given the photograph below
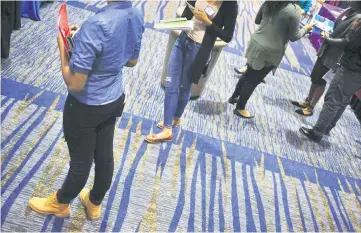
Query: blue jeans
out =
(178, 82)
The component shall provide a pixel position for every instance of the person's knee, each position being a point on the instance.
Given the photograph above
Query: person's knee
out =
(171, 90)
(80, 171)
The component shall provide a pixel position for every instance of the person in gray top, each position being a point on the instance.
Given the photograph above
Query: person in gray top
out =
(279, 23)
(328, 56)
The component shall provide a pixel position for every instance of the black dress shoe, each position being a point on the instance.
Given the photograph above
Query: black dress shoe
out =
(310, 134)
(232, 100)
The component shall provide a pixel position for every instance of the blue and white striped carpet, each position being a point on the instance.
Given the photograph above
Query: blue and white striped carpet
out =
(220, 173)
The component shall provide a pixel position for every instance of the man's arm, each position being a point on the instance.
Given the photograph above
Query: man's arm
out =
(352, 37)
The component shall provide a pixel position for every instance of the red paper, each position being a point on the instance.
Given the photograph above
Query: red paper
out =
(64, 25)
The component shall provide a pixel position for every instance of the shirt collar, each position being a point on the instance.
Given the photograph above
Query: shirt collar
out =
(117, 5)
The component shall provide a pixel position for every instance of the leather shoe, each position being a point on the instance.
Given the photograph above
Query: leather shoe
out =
(310, 134)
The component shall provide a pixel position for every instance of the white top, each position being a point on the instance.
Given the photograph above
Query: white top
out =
(199, 28)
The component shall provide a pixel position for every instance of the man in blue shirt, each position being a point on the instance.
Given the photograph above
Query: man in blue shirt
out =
(105, 43)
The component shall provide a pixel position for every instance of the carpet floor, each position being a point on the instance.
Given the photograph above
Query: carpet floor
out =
(220, 173)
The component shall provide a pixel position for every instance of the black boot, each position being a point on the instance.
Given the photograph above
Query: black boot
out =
(311, 134)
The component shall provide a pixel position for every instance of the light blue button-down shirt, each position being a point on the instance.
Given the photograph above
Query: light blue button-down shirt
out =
(103, 45)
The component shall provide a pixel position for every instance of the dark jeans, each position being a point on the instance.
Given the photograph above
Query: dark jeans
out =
(89, 132)
(318, 71)
(247, 84)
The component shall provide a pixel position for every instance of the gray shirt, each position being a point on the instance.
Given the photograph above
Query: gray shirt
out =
(269, 42)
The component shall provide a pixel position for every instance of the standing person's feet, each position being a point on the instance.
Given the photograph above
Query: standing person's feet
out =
(305, 111)
(311, 134)
(165, 136)
(243, 113)
(92, 211)
(50, 205)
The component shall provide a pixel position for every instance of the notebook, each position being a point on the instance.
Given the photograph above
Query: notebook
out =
(175, 24)
(323, 25)
(64, 29)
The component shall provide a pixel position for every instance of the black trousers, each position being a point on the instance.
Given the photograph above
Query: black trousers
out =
(89, 132)
(318, 71)
(10, 20)
(247, 84)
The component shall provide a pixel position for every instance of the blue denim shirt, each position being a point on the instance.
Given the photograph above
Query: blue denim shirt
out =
(103, 45)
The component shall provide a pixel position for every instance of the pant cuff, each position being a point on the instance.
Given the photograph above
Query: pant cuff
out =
(318, 131)
(93, 200)
(61, 199)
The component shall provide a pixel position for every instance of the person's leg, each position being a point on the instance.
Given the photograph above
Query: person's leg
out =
(80, 136)
(317, 86)
(175, 72)
(104, 167)
(335, 119)
(174, 76)
(338, 96)
(252, 79)
(317, 89)
(191, 51)
(237, 90)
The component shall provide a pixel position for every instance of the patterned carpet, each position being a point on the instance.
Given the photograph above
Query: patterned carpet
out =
(220, 173)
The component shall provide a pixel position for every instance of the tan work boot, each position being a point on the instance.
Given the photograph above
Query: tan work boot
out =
(92, 211)
(50, 205)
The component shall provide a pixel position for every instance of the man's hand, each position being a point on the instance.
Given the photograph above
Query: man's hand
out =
(202, 16)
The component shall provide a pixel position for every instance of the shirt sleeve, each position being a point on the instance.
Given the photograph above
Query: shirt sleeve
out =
(138, 44)
(294, 24)
(88, 43)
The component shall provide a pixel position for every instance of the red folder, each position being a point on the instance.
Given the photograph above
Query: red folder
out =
(64, 28)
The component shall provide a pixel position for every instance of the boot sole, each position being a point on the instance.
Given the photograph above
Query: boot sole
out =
(47, 213)
(158, 141)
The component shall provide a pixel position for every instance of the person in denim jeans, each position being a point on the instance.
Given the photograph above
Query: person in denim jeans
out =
(345, 83)
(211, 19)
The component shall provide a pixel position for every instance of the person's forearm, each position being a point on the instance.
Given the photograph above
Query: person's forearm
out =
(337, 42)
(65, 70)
